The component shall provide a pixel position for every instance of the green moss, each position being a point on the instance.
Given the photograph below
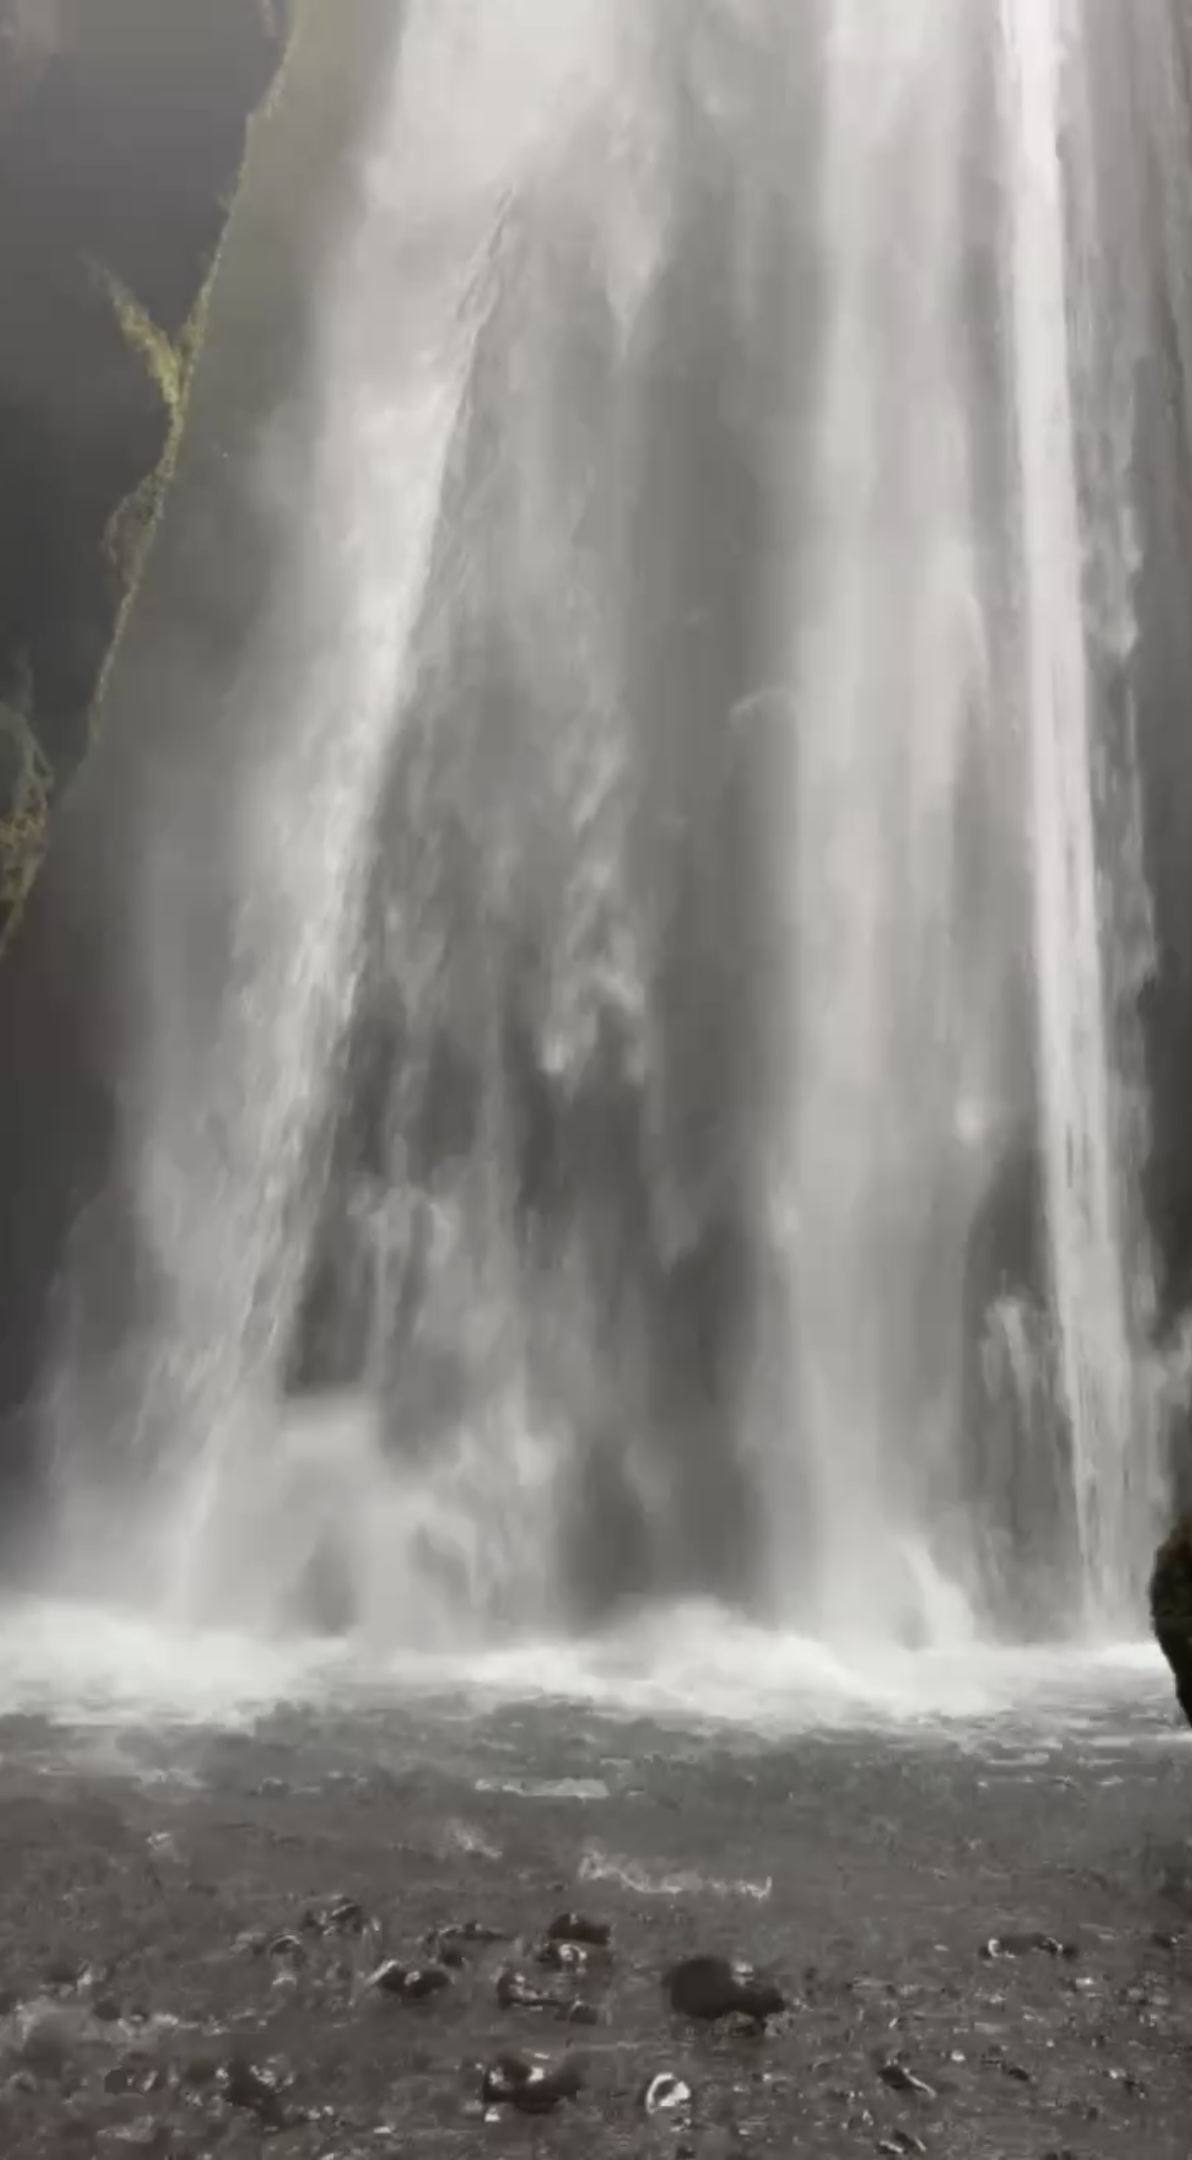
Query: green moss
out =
(169, 364)
(165, 363)
(24, 813)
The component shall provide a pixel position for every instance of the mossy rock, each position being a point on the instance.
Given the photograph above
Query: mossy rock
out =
(123, 126)
(24, 812)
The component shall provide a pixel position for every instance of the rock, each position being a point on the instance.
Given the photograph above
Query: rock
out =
(1022, 1945)
(258, 2092)
(666, 2094)
(570, 1927)
(561, 1956)
(136, 2074)
(516, 1992)
(715, 1987)
(447, 1953)
(288, 1949)
(534, 2087)
(342, 1916)
(1171, 1608)
(449, 1945)
(899, 2079)
(410, 1983)
(122, 133)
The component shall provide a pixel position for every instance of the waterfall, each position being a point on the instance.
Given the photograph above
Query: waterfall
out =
(966, 601)
(893, 1000)
(1076, 349)
(668, 1052)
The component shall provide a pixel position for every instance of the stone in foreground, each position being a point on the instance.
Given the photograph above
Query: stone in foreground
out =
(1171, 1608)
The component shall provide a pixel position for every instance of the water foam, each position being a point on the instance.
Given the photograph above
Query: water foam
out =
(694, 1668)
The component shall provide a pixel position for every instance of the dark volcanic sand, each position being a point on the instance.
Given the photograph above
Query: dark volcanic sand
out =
(868, 1870)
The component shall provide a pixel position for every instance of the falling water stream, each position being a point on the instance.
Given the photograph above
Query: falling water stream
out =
(683, 850)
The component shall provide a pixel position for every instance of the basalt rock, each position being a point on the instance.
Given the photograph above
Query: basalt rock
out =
(533, 2087)
(709, 1988)
(1171, 1608)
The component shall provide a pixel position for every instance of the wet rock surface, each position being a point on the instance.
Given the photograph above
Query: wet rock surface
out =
(122, 133)
(294, 1940)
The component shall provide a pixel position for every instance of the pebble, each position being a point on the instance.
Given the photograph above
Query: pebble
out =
(288, 1947)
(410, 1983)
(899, 2079)
(666, 2094)
(714, 1987)
(570, 1927)
(515, 1992)
(1021, 1945)
(340, 1916)
(258, 2092)
(534, 2087)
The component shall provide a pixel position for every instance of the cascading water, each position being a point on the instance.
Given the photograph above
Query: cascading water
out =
(894, 1005)
(964, 601)
(1077, 347)
(685, 863)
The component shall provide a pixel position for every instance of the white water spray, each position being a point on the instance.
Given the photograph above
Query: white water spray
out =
(1073, 417)
(921, 658)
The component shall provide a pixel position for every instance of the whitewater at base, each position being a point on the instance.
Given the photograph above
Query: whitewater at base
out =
(696, 1668)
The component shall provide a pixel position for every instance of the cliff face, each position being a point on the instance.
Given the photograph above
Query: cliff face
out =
(122, 134)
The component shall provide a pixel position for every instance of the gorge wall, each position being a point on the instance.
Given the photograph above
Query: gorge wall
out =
(123, 126)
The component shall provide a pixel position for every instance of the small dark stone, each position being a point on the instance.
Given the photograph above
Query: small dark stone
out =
(340, 1916)
(899, 2079)
(515, 1992)
(570, 1927)
(450, 1944)
(257, 2091)
(199, 2072)
(136, 2074)
(899, 2143)
(535, 2088)
(63, 1972)
(443, 1953)
(106, 2009)
(579, 2013)
(561, 1956)
(288, 1947)
(714, 1987)
(472, 1931)
(410, 1983)
(1021, 1945)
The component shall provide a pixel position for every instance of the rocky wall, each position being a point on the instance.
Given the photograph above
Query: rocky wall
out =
(123, 126)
